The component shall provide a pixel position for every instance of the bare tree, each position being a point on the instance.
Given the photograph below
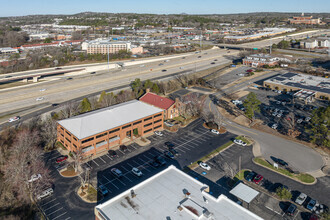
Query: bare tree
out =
(69, 109)
(77, 159)
(94, 102)
(108, 100)
(230, 169)
(49, 133)
(24, 161)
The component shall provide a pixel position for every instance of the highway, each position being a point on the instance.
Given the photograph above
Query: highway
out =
(59, 89)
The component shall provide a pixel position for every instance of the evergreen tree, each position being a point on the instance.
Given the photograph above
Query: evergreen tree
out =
(85, 105)
(251, 105)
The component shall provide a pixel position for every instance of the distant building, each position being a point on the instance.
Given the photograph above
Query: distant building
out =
(39, 36)
(98, 131)
(171, 194)
(260, 60)
(8, 50)
(315, 86)
(266, 32)
(319, 42)
(304, 20)
(53, 44)
(170, 107)
(105, 46)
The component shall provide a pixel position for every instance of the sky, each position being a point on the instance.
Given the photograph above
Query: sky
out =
(31, 7)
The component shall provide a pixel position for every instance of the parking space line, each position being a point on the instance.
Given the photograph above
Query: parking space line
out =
(125, 168)
(121, 181)
(110, 182)
(95, 162)
(198, 141)
(102, 159)
(121, 151)
(127, 177)
(67, 218)
(88, 164)
(55, 211)
(51, 207)
(59, 215)
(48, 202)
(132, 145)
(109, 157)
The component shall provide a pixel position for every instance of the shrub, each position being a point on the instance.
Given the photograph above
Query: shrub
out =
(283, 193)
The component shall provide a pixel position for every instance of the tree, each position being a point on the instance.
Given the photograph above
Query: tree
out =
(49, 133)
(102, 96)
(136, 86)
(48, 40)
(283, 44)
(230, 169)
(85, 105)
(251, 104)
(283, 193)
(155, 88)
(24, 161)
(147, 84)
(69, 109)
(318, 127)
(108, 100)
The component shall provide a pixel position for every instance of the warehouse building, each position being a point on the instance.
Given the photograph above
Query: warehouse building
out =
(307, 85)
(107, 128)
(171, 194)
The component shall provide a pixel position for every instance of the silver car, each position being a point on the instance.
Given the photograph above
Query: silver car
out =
(45, 193)
(301, 198)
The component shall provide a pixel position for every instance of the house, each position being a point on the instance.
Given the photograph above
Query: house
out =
(170, 107)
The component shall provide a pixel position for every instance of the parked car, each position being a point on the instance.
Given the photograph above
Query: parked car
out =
(250, 176)
(311, 204)
(299, 121)
(301, 198)
(239, 142)
(274, 126)
(168, 154)
(307, 119)
(116, 172)
(173, 151)
(291, 210)
(61, 158)
(204, 166)
(159, 133)
(257, 179)
(34, 177)
(136, 172)
(45, 193)
(249, 70)
(215, 131)
(123, 148)
(160, 160)
(103, 190)
(16, 118)
(39, 98)
(169, 124)
(169, 144)
(113, 153)
(154, 164)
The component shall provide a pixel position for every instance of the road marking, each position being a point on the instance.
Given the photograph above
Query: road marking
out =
(127, 177)
(88, 164)
(102, 159)
(95, 163)
(55, 211)
(121, 181)
(48, 202)
(59, 215)
(67, 218)
(296, 214)
(109, 157)
(51, 207)
(244, 129)
(132, 145)
(274, 210)
(121, 151)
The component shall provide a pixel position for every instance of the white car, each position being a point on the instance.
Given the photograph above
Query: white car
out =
(239, 142)
(301, 198)
(168, 124)
(215, 131)
(39, 98)
(45, 193)
(299, 120)
(136, 171)
(307, 119)
(279, 115)
(16, 118)
(274, 113)
(274, 126)
(204, 166)
(159, 133)
(34, 177)
(41, 90)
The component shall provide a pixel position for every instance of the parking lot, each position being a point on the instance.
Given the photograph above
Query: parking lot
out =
(191, 142)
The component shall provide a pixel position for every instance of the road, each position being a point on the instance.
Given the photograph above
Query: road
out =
(300, 157)
(59, 89)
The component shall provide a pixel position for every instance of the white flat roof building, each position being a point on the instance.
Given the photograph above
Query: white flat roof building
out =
(94, 122)
(171, 194)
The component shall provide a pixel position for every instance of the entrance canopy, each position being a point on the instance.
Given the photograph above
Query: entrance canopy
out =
(244, 192)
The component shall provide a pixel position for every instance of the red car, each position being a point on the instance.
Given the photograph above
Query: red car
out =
(61, 159)
(257, 179)
(249, 71)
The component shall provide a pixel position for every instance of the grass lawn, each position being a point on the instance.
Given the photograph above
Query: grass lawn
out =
(241, 174)
(210, 155)
(69, 172)
(91, 194)
(303, 177)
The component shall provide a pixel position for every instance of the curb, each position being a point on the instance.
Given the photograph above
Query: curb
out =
(310, 184)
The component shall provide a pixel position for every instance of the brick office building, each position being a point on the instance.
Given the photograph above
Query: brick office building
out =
(170, 107)
(107, 128)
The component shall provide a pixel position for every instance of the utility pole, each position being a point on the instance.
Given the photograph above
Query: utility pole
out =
(108, 57)
(239, 164)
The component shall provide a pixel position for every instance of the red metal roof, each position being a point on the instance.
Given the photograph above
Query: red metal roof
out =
(156, 100)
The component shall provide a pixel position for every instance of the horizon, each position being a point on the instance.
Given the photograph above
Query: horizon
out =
(192, 7)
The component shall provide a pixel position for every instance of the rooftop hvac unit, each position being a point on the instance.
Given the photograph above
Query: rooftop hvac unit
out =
(207, 214)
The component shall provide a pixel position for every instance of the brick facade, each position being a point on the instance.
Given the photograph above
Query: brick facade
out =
(109, 139)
